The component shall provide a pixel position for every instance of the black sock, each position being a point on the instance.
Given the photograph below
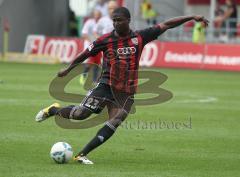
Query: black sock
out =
(102, 136)
(64, 112)
(53, 111)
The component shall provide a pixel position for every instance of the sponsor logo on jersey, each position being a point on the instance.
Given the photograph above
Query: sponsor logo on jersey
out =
(126, 50)
(90, 47)
(135, 40)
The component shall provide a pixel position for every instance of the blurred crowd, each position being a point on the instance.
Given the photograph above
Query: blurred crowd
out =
(148, 13)
(95, 6)
(225, 22)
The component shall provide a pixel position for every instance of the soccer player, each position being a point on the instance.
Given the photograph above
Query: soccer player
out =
(122, 49)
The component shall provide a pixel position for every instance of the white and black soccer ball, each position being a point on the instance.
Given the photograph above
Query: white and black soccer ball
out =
(61, 152)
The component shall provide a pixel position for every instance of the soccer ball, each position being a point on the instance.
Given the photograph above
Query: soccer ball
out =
(61, 152)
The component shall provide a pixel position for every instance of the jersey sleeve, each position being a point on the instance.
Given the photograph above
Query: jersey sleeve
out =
(150, 34)
(94, 48)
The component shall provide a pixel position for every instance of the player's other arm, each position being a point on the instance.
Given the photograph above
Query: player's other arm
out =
(92, 50)
(79, 59)
(177, 21)
(152, 33)
(82, 56)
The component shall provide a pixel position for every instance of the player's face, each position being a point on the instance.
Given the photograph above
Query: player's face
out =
(120, 23)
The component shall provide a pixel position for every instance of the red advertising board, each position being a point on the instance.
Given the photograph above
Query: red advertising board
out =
(155, 54)
(188, 55)
(66, 49)
(207, 2)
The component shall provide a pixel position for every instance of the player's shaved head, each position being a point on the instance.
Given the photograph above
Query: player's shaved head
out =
(122, 11)
(121, 19)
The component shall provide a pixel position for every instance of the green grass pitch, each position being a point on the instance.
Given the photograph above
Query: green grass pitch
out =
(208, 146)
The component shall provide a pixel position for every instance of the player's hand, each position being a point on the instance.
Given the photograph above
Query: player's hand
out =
(63, 72)
(200, 18)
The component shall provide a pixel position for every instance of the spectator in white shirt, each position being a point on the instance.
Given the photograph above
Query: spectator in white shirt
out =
(105, 24)
(88, 36)
(102, 6)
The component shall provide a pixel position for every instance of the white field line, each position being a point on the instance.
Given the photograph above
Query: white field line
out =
(198, 99)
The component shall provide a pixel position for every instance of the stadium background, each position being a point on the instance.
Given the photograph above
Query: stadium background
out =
(196, 133)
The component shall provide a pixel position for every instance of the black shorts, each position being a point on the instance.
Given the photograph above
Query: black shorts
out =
(103, 94)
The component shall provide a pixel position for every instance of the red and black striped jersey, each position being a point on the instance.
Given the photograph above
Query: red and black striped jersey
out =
(121, 57)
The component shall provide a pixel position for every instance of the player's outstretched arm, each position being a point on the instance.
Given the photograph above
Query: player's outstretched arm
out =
(177, 21)
(79, 59)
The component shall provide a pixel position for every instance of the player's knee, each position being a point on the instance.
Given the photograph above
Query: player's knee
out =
(118, 118)
(80, 113)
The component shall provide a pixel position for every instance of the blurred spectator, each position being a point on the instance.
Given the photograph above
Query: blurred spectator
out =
(88, 36)
(219, 12)
(148, 13)
(105, 24)
(101, 5)
(144, 6)
(199, 33)
(229, 19)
